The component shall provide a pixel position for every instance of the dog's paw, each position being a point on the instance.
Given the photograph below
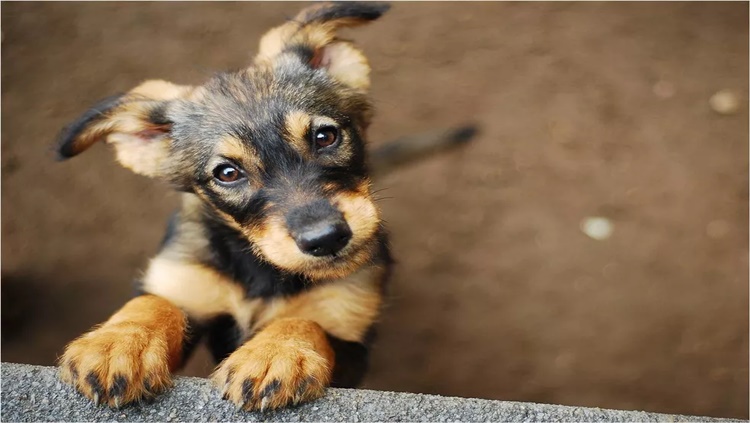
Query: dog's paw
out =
(118, 363)
(267, 373)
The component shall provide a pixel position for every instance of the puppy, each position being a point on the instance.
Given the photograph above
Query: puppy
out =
(277, 257)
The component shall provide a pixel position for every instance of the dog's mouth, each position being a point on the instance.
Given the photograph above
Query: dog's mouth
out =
(325, 249)
(284, 253)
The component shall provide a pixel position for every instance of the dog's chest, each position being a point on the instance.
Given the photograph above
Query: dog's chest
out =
(345, 308)
(205, 293)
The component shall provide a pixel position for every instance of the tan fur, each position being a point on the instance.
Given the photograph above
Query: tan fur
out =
(145, 157)
(345, 308)
(243, 154)
(289, 362)
(360, 213)
(199, 193)
(298, 126)
(319, 121)
(277, 39)
(130, 356)
(234, 149)
(288, 358)
(139, 145)
(274, 242)
(347, 64)
(199, 290)
(156, 89)
(143, 154)
(193, 243)
(301, 30)
(342, 60)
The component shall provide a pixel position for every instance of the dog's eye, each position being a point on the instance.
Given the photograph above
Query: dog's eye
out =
(227, 173)
(325, 137)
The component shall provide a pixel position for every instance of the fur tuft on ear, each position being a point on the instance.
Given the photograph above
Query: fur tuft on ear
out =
(135, 123)
(312, 35)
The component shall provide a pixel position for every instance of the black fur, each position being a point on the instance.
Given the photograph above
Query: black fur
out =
(231, 254)
(352, 362)
(223, 337)
(316, 211)
(193, 335)
(66, 138)
(171, 231)
(249, 119)
(349, 9)
(158, 115)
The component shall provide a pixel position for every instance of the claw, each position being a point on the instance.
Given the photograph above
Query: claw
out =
(96, 398)
(117, 402)
(264, 404)
(73, 371)
(247, 390)
(301, 389)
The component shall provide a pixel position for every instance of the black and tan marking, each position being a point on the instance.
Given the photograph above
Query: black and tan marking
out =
(277, 257)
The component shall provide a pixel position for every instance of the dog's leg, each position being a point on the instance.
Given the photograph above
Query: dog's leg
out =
(306, 343)
(130, 356)
(288, 362)
(352, 362)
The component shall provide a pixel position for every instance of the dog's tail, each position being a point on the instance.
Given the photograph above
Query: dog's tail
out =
(397, 153)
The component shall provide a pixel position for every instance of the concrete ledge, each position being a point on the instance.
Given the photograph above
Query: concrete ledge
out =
(33, 393)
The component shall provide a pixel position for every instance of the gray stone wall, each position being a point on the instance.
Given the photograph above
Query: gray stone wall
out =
(33, 393)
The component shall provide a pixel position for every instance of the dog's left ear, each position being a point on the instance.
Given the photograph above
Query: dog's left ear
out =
(312, 35)
(135, 123)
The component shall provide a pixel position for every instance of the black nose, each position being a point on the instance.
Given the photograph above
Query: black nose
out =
(324, 238)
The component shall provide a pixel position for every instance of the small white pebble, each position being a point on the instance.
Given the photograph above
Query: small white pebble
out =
(598, 228)
(724, 102)
(315, 408)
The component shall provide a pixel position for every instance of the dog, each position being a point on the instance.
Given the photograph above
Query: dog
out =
(277, 257)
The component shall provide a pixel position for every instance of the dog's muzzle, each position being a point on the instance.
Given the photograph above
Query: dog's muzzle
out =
(319, 229)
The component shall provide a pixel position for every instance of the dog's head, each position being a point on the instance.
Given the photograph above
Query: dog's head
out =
(275, 150)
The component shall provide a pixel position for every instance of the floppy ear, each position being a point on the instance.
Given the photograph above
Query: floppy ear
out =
(135, 123)
(312, 34)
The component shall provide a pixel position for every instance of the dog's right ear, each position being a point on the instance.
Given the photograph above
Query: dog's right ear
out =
(135, 123)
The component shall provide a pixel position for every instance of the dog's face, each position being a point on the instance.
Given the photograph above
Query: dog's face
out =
(275, 150)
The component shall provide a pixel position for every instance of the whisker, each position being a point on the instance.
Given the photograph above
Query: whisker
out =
(380, 190)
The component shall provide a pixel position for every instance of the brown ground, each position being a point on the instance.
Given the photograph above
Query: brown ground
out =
(498, 294)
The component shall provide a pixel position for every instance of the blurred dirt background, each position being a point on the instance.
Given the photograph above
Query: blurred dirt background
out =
(587, 109)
